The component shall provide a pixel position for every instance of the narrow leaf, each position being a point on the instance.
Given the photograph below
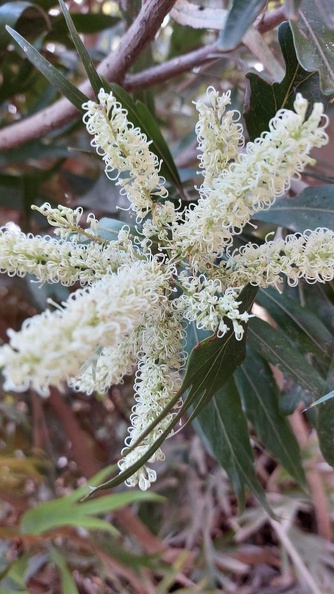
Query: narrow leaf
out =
(224, 426)
(299, 323)
(68, 584)
(55, 78)
(325, 419)
(274, 346)
(92, 74)
(314, 207)
(260, 400)
(328, 396)
(242, 14)
(140, 116)
(314, 42)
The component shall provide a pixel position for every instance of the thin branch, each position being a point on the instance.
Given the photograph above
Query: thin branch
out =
(115, 66)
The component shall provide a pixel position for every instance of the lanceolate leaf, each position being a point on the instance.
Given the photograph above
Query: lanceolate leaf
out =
(242, 14)
(260, 400)
(314, 207)
(84, 56)
(300, 324)
(55, 78)
(314, 41)
(263, 99)
(224, 426)
(274, 346)
(68, 584)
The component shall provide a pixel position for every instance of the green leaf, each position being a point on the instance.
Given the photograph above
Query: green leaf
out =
(300, 324)
(263, 99)
(109, 229)
(314, 207)
(55, 78)
(64, 512)
(260, 400)
(141, 117)
(86, 23)
(11, 192)
(224, 426)
(93, 76)
(325, 419)
(68, 584)
(31, 19)
(210, 365)
(321, 400)
(314, 42)
(242, 14)
(274, 347)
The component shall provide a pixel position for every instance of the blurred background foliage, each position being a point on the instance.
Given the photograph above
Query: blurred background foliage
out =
(194, 539)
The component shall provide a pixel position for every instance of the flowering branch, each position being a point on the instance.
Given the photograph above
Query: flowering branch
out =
(135, 302)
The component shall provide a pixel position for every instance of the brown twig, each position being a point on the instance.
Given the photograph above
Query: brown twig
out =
(115, 66)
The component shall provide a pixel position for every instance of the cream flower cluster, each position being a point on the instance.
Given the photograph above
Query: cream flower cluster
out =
(137, 292)
(252, 181)
(53, 346)
(308, 255)
(125, 151)
(51, 260)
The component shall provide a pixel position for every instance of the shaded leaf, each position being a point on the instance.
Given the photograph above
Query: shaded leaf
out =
(314, 207)
(11, 192)
(27, 16)
(301, 324)
(93, 76)
(86, 23)
(263, 99)
(260, 399)
(55, 78)
(274, 346)
(242, 14)
(325, 419)
(314, 42)
(224, 426)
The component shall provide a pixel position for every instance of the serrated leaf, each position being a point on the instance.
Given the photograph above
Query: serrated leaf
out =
(93, 76)
(314, 42)
(275, 348)
(242, 14)
(300, 324)
(263, 99)
(260, 399)
(314, 207)
(68, 584)
(224, 426)
(140, 116)
(55, 78)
